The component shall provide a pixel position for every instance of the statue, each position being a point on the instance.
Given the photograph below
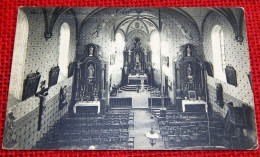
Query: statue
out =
(91, 71)
(137, 43)
(189, 75)
(149, 67)
(179, 56)
(129, 52)
(219, 95)
(189, 70)
(91, 51)
(42, 95)
(63, 97)
(188, 51)
(125, 67)
(9, 140)
(137, 58)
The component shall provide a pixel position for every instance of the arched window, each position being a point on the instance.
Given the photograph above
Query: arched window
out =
(64, 51)
(19, 55)
(119, 42)
(155, 41)
(155, 48)
(218, 50)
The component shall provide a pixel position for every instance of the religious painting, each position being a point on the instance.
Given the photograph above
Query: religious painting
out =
(31, 85)
(130, 79)
(231, 75)
(53, 76)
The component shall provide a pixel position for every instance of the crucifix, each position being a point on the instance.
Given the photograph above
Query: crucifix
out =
(41, 94)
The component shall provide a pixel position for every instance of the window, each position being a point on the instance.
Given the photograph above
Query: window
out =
(155, 41)
(119, 43)
(218, 50)
(64, 51)
(155, 48)
(19, 55)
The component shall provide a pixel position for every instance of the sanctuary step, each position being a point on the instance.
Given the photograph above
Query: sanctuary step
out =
(134, 87)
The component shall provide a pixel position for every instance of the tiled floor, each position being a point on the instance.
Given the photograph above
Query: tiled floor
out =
(143, 124)
(139, 100)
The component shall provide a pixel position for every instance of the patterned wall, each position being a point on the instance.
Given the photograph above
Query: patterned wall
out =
(98, 29)
(42, 55)
(237, 56)
(172, 39)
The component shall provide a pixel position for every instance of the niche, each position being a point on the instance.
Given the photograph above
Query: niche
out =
(91, 50)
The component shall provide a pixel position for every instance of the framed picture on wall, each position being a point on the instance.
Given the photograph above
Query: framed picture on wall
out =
(31, 85)
(53, 76)
(231, 75)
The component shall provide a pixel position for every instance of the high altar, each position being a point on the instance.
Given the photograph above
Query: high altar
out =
(137, 64)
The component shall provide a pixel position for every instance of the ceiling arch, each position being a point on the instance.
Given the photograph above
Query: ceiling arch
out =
(236, 24)
(149, 17)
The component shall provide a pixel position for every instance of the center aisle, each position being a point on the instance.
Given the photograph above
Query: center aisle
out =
(143, 124)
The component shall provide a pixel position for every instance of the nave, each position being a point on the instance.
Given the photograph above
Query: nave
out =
(123, 129)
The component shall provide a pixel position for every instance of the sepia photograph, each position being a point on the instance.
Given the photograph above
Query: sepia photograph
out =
(130, 79)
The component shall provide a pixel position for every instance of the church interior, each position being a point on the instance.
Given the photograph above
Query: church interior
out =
(130, 78)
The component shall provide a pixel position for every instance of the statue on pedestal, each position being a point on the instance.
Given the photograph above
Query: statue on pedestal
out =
(188, 51)
(91, 51)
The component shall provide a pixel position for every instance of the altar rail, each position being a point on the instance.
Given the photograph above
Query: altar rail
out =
(120, 102)
(157, 102)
